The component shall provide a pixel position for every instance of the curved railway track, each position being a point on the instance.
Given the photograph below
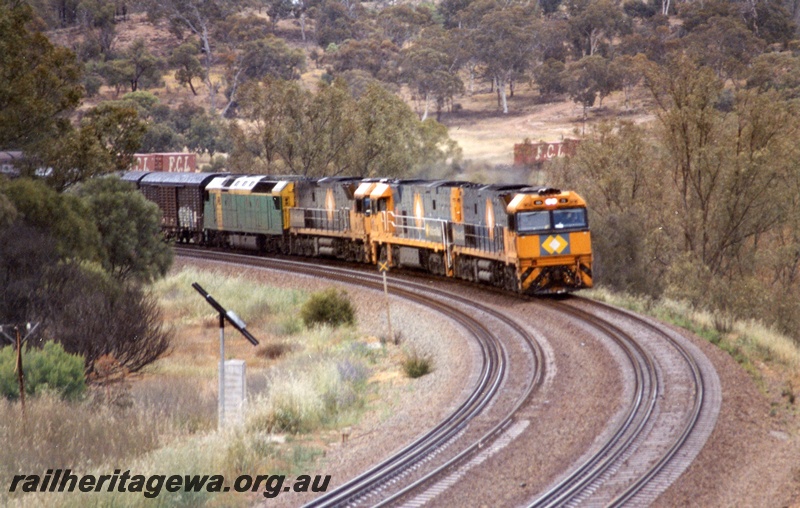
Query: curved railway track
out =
(492, 375)
(667, 419)
(646, 475)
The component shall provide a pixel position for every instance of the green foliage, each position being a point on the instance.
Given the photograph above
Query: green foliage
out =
(331, 132)
(8, 214)
(39, 83)
(329, 307)
(119, 130)
(187, 65)
(550, 77)
(129, 227)
(378, 57)
(67, 220)
(416, 365)
(144, 102)
(704, 207)
(725, 45)
(611, 170)
(115, 73)
(432, 64)
(593, 23)
(588, 78)
(162, 137)
(335, 23)
(50, 368)
(776, 71)
(271, 56)
(505, 43)
(144, 68)
(217, 165)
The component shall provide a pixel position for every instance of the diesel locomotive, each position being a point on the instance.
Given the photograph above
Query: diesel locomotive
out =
(520, 238)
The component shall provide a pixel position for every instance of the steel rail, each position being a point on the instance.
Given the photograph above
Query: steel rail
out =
(568, 489)
(639, 412)
(691, 422)
(493, 373)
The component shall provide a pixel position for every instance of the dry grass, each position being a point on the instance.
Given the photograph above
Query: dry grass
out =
(771, 358)
(315, 382)
(59, 434)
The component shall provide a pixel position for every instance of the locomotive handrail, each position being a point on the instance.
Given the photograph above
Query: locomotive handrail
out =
(321, 218)
(483, 238)
(441, 224)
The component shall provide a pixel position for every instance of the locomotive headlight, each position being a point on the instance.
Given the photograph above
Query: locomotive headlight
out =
(550, 201)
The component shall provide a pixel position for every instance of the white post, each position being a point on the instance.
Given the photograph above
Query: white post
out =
(235, 391)
(221, 409)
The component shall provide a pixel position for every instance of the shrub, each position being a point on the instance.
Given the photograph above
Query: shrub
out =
(49, 368)
(273, 350)
(306, 397)
(96, 315)
(417, 365)
(330, 307)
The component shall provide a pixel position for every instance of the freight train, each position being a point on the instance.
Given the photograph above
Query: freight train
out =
(520, 238)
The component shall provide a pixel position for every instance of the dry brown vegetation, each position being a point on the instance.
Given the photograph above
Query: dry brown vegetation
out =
(304, 385)
(485, 135)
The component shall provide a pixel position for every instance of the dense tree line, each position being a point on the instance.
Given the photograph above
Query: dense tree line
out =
(702, 206)
(330, 132)
(703, 202)
(574, 48)
(75, 246)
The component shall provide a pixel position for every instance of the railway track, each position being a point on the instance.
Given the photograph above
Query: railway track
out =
(379, 485)
(672, 403)
(672, 412)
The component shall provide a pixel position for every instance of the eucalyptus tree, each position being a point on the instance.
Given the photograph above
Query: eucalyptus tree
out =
(594, 22)
(187, 65)
(431, 66)
(198, 18)
(505, 43)
(330, 132)
(251, 52)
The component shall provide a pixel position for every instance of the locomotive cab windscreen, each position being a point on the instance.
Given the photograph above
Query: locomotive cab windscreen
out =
(562, 219)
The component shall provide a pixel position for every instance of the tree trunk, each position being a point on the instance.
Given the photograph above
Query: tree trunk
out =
(501, 88)
(425, 112)
(303, 25)
(234, 87)
(191, 87)
(207, 52)
(471, 79)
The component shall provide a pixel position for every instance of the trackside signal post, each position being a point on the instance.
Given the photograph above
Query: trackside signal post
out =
(237, 323)
(383, 266)
(18, 340)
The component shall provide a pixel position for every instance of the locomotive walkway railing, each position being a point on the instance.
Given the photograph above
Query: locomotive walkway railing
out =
(479, 237)
(422, 228)
(320, 218)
